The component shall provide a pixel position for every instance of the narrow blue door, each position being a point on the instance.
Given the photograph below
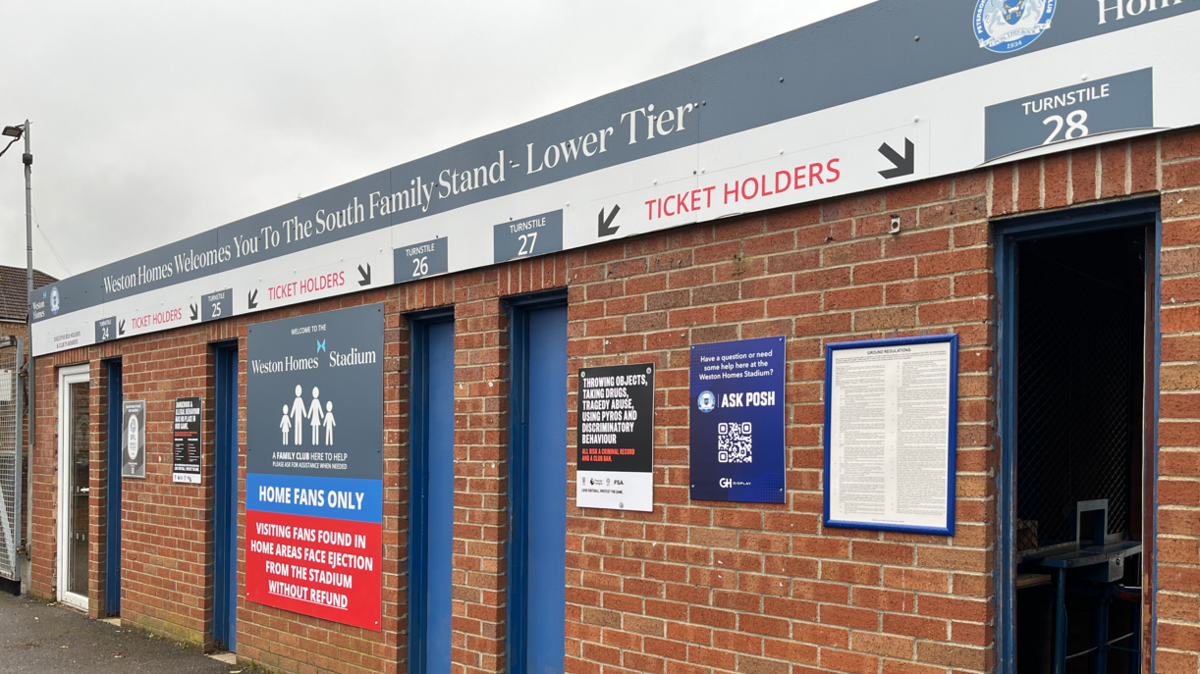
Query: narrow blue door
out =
(225, 504)
(537, 578)
(431, 534)
(112, 554)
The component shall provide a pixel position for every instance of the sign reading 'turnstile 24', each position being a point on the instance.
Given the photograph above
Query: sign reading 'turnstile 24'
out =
(892, 92)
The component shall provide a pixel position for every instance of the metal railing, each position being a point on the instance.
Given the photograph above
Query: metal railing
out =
(11, 459)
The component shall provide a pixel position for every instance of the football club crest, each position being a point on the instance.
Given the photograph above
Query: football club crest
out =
(1005, 26)
(54, 300)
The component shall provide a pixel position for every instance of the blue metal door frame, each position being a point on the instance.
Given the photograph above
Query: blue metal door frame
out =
(225, 496)
(1009, 233)
(431, 489)
(112, 505)
(534, 650)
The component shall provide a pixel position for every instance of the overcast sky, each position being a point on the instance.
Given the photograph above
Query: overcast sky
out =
(156, 120)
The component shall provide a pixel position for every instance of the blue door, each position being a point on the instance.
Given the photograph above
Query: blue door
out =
(537, 553)
(225, 506)
(112, 553)
(431, 534)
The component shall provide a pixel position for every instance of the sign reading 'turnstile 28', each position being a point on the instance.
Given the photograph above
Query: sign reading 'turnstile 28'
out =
(891, 92)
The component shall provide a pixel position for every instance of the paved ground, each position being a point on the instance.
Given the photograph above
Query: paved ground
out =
(36, 638)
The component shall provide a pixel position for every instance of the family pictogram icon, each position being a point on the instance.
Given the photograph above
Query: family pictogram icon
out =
(293, 418)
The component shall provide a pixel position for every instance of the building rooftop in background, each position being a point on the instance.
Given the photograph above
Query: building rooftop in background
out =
(14, 302)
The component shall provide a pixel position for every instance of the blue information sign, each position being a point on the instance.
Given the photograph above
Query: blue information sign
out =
(737, 409)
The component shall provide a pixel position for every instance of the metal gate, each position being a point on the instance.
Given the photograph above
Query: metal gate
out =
(11, 459)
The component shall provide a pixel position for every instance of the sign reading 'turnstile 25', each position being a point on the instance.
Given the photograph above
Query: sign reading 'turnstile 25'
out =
(891, 92)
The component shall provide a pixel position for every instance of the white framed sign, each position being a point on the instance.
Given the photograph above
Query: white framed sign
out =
(891, 419)
(133, 438)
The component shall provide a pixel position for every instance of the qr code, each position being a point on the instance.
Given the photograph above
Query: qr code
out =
(734, 443)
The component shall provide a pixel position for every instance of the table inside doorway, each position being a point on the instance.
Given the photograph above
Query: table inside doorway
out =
(1084, 557)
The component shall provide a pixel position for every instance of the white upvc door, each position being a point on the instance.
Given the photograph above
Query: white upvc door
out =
(74, 519)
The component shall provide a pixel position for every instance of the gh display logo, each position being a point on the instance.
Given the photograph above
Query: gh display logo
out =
(725, 483)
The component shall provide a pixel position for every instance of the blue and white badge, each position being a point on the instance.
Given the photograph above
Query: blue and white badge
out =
(1005, 26)
(54, 300)
(706, 401)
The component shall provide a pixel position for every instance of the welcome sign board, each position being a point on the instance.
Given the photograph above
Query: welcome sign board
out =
(889, 93)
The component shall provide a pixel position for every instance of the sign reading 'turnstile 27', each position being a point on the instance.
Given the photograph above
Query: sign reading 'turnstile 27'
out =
(891, 92)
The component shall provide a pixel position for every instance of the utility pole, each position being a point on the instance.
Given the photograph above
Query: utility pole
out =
(30, 371)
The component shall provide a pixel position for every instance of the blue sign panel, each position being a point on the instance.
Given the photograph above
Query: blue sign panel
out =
(737, 408)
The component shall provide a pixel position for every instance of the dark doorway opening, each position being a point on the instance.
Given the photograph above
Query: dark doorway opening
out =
(225, 496)
(112, 520)
(1081, 368)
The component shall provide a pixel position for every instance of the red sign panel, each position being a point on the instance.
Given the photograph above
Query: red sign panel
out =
(328, 568)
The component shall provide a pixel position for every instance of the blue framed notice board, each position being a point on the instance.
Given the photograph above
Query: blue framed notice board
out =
(891, 422)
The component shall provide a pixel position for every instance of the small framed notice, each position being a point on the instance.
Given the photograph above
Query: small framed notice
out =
(615, 460)
(891, 419)
(186, 441)
(133, 439)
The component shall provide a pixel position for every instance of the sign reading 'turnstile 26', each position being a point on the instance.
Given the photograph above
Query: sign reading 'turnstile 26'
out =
(891, 92)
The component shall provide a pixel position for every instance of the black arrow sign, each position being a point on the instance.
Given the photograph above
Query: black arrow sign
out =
(906, 165)
(604, 226)
(195, 312)
(366, 275)
(121, 327)
(250, 299)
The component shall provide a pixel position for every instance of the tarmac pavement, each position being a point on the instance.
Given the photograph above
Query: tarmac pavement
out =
(36, 637)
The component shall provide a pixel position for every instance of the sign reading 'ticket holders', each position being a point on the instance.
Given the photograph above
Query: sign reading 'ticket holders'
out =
(314, 482)
(615, 461)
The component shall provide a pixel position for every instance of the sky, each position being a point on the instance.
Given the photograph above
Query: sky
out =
(152, 121)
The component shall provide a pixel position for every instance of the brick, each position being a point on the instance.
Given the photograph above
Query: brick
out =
(914, 626)
(1143, 164)
(1002, 191)
(1186, 174)
(1029, 185)
(883, 644)
(889, 318)
(1112, 172)
(1083, 174)
(953, 608)
(1055, 179)
(913, 194)
(917, 242)
(954, 312)
(963, 657)
(917, 291)
(852, 298)
(884, 553)
(842, 661)
(970, 259)
(849, 253)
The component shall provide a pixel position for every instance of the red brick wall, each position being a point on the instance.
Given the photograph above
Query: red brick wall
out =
(1178, 541)
(701, 587)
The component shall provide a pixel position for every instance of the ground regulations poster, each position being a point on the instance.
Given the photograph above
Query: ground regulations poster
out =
(314, 463)
(737, 409)
(133, 438)
(890, 425)
(615, 466)
(186, 440)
